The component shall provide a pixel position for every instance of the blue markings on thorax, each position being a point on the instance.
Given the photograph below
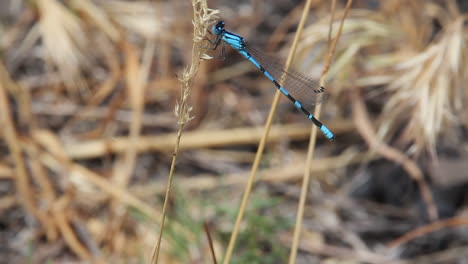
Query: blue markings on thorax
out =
(235, 41)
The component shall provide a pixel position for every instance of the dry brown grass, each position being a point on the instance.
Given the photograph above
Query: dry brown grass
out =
(423, 74)
(65, 41)
(87, 98)
(428, 95)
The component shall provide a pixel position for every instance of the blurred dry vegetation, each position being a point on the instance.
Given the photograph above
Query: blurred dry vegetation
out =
(88, 90)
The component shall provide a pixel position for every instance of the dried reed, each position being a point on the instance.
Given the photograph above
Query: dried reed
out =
(203, 18)
(331, 47)
(261, 146)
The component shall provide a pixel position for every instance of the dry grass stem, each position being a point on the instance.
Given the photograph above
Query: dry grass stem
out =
(195, 139)
(210, 242)
(60, 217)
(458, 221)
(261, 146)
(21, 179)
(203, 18)
(331, 47)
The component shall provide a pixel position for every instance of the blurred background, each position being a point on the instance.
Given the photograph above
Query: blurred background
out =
(88, 90)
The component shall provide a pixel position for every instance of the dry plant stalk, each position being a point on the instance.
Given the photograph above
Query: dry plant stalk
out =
(203, 18)
(210, 242)
(195, 139)
(20, 175)
(456, 221)
(331, 47)
(261, 146)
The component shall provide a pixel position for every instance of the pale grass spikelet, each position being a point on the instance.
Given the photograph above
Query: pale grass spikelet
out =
(428, 93)
(182, 109)
(64, 39)
(206, 57)
(203, 18)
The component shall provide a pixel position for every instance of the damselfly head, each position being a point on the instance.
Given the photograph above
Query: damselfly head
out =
(218, 28)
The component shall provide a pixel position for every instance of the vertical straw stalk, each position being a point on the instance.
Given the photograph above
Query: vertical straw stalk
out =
(313, 134)
(261, 147)
(203, 17)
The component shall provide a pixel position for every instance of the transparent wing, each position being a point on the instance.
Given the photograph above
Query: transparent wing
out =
(302, 88)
